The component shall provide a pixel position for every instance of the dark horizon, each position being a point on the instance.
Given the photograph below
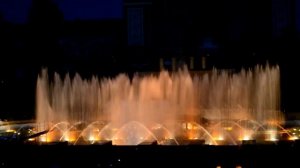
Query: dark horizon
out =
(17, 11)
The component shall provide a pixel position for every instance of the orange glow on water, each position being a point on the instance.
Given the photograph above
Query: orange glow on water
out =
(272, 135)
(31, 139)
(71, 136)
(43, 139)
(228, 128)
(11, 130)
(93, 138)
(245, 138)
(293, 138)
(192, 136)
(219, 138)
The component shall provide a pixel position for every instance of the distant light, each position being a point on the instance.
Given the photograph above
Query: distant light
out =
(294, 129)
(293, 138)
(238, 166)
(67, 139)
(91, 138)
(31, 139)
(189, 126)
(246, 137)
(119, 160)
(218, 167)
(11, 130)
(43, 139)
(219, 138)
(228, 128)
(272, 136)
(272, 139)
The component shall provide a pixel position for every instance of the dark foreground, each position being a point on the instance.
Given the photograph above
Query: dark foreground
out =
(248, 156)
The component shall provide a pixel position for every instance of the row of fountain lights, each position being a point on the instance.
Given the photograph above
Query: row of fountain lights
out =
(294, 134)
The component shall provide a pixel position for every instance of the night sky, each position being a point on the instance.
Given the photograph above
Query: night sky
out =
(234, 33)
(16, 11)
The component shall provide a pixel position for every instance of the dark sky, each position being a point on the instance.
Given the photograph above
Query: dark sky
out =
(16, 11)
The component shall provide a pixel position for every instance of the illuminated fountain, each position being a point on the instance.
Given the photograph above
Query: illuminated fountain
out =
(160, 107)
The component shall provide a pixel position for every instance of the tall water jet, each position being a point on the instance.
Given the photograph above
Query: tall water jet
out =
(166, 99)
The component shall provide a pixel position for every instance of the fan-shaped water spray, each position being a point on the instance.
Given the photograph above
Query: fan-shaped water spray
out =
(164, 98)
